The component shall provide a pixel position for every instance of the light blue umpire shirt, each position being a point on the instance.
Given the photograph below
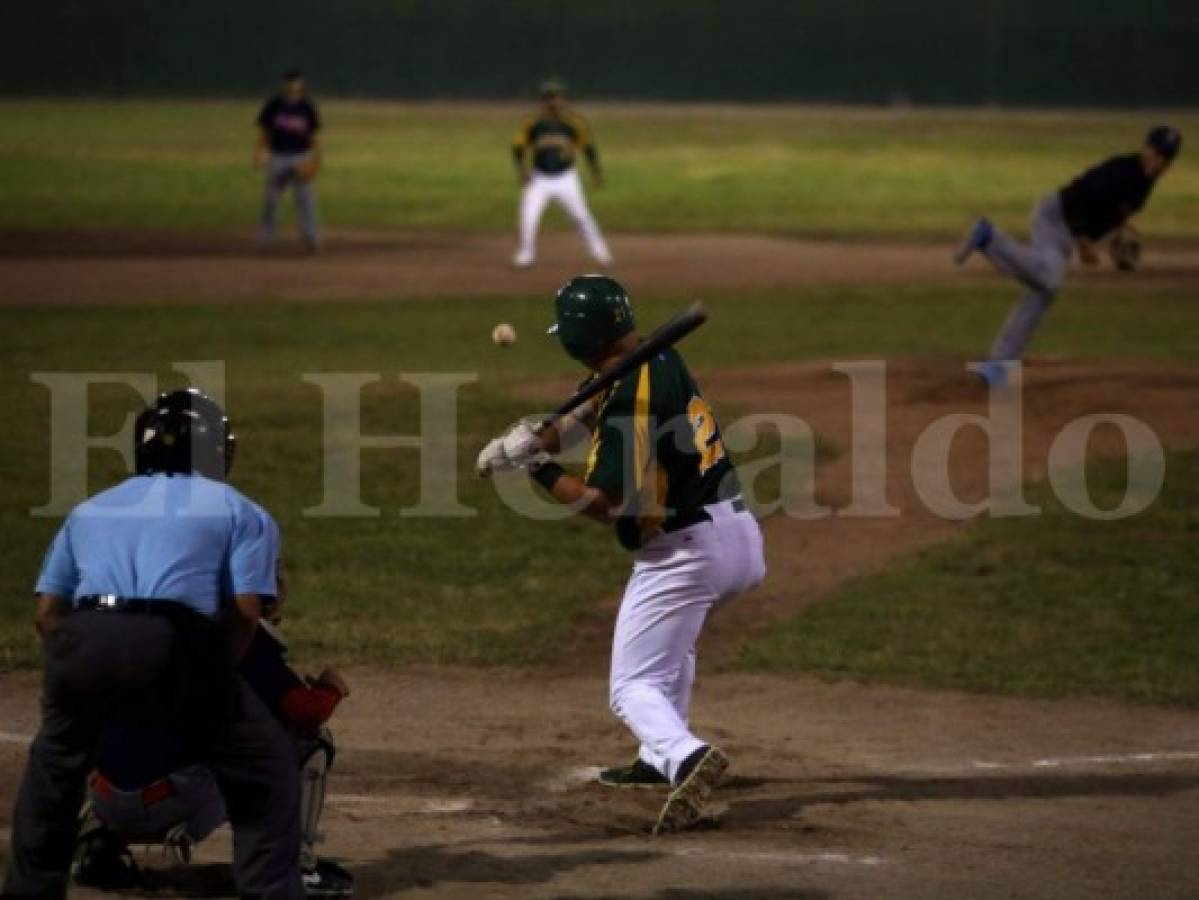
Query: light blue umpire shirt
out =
(185, 538)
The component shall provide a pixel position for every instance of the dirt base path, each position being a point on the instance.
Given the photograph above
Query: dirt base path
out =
(454, 783)
(139, 267)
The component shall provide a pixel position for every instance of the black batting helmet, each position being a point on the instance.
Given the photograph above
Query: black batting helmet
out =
(183, 432)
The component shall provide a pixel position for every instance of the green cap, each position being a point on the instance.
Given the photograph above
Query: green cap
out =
(591, 312)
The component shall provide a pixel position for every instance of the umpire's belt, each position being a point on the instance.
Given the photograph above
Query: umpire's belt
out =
(143, 605)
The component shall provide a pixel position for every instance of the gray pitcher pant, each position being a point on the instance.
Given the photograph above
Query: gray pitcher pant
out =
(280, 175)
(1039, 265)
(106, 666)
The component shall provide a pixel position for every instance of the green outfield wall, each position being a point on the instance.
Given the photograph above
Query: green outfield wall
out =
(1134, 53)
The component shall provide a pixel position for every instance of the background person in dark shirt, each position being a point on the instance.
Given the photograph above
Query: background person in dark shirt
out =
(1086, 210)
(290, 150)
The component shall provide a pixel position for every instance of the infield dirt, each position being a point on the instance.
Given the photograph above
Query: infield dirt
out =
(137, 267)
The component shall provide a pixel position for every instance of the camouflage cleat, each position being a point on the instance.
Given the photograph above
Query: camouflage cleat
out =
(698, 778)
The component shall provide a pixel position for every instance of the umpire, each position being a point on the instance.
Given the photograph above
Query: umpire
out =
(148, 596)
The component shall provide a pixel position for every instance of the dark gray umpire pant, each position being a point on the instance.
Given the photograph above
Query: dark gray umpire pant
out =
(102, 667)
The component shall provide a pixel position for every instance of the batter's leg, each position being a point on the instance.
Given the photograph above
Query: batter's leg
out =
(679, 695)
(574, 201)
(533, 199)
(659, 623)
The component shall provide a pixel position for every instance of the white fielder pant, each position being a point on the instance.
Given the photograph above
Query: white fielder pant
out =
(565, 189)
(1039, 265)
(677, 580)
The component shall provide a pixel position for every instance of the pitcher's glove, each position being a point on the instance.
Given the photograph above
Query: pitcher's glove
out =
(307, 168)
(1125, 248)
(518, 448)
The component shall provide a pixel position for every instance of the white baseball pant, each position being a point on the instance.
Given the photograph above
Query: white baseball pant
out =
(678, 579)
(565, 189)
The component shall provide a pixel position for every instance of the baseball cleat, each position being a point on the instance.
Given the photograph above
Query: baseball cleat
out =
(977, 238)
(105, 862)
(522, 261)
(328, 879)
(699, 776)
(639, 774)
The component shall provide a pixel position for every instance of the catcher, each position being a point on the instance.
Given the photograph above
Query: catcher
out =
(146, 790)
(289, 148)
(1096, 204)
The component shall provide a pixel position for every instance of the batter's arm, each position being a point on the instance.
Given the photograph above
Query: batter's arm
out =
(570, 430)
(571, 490)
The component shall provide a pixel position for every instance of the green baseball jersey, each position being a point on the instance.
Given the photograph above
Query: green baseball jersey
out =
(657, 446)
(554, 141)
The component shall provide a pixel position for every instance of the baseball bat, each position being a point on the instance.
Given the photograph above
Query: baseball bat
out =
(667, 335)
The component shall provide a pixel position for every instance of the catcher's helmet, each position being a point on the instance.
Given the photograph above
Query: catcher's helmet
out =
(591, 312)
(183, 432)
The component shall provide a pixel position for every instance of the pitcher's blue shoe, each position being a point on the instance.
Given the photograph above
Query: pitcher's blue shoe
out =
(977, 238)
(993, 373)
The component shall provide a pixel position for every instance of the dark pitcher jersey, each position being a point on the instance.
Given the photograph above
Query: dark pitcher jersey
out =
(554, 142)
(290, 127)
(656, 444)
(1102, 198)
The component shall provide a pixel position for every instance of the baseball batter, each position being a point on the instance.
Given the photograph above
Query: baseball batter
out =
(290, 151)
(658, 472)
(1092, 206)
(544, 151)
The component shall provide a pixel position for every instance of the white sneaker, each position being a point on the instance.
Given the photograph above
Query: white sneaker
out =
(522, 260)
(604, 259)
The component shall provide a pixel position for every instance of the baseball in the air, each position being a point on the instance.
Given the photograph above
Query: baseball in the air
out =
(503, 335)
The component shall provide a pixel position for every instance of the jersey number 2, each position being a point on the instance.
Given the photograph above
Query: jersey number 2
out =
(707, 436)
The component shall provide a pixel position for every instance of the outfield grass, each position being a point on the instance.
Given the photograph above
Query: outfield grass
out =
(1051, 606)
(490, 589)
(865, 172)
